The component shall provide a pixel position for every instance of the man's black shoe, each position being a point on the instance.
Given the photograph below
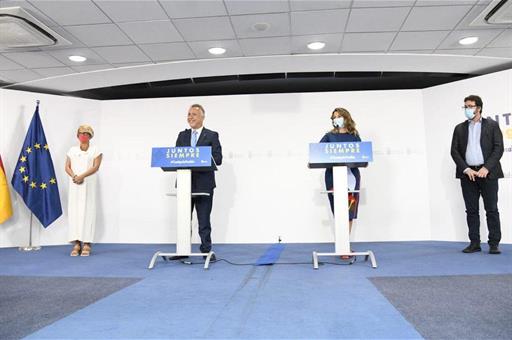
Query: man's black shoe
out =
(176, 258)
(493, 249)
(472, 248)
(213, 258)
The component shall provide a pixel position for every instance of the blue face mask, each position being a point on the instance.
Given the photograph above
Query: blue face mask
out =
(338, 122)
(469, 113)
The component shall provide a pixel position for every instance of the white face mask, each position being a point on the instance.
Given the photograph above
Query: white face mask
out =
(338, 122)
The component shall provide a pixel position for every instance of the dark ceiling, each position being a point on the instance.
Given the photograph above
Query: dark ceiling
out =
(267, 83)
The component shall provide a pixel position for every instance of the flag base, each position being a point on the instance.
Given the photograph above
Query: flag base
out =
(30, 248)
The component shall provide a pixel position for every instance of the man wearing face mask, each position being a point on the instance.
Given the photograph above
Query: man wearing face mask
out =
(202, 181)
(477, 147)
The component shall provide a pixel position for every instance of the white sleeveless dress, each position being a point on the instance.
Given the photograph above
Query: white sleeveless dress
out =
(82, 197)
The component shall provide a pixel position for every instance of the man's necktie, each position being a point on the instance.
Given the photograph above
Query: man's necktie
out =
(194, 138)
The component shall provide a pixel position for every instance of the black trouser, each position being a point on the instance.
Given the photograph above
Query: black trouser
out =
(203, 206)
(488, 189)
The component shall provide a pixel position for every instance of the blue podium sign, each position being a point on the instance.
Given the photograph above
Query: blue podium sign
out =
(344, 152)
(182, 157)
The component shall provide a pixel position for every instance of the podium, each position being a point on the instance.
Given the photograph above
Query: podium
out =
(341, 156)
(183, 160)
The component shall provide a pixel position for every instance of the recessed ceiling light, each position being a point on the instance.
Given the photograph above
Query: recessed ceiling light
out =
(217, 50)
(317, 45)
(77, 58)
(468, 40)
(261, 26)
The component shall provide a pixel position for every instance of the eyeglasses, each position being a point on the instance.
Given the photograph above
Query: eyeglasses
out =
(469, 106)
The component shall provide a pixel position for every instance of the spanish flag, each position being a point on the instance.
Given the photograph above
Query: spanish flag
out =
(5, 198)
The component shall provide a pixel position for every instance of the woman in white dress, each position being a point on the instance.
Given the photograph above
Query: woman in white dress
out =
(82, 163)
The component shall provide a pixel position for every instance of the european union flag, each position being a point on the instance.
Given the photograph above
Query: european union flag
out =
(34, 176)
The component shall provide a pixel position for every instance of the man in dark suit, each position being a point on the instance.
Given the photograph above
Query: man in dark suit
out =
(202, 181)
(477, 147)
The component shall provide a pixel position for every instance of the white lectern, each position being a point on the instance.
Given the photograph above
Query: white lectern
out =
(339, 156)
(184, 196)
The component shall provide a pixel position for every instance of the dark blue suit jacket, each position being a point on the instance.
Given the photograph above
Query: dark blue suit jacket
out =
(203, 180)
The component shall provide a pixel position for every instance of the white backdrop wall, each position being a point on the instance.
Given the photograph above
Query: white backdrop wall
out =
(442, 108)
(265, 190)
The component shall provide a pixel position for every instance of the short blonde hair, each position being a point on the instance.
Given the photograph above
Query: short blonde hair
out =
(85, 129)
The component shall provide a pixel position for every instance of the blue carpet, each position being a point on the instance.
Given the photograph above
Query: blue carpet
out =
(176, 300)
(271, 255)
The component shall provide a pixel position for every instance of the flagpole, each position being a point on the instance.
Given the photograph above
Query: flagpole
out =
(30, 246)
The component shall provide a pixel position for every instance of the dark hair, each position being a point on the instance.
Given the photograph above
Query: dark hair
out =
(199, 106)
(478, 101)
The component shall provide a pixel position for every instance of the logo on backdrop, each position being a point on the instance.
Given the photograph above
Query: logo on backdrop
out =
(505, 121)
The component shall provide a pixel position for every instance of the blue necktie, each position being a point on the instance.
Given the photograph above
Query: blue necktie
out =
(194, 138)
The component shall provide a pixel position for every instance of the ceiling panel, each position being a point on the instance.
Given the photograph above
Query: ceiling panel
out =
(194, 9)
(502, 52)
(200, 48)
(148, 32)
(503, 40)
(367, 42)
(470, 16)
(445, 2)
(72, 12)
(8, 64)
(435, 18)
(237, 7)
(461, 51)
(418, 40)
(19, 76)
(332, 43)
(63, 56)
(314, 22)
(169, 51)
(382, 3)
(99, 35)
(308, 5)
(377, 19)
(205, 28)
(265, 46)
(279, 25)
(54, 71)
(121, 54)
(89, 68)
(121, 11)
(33, 59)
(484, 37)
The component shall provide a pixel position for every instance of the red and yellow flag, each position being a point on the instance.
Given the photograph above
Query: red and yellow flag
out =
(5, 198)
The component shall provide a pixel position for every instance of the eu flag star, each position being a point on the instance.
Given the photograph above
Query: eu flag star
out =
(22, 169)
(53, 181)
(46, 147)
(37, 146)
(28, 150)
(33, 185)
(25, 179)
(23, 159)
(43, 186)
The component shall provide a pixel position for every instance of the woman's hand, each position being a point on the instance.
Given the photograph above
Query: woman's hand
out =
(78, 179)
